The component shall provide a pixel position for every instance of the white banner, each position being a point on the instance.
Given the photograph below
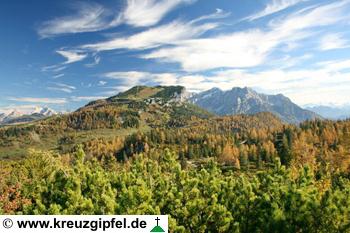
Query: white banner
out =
(83, 223)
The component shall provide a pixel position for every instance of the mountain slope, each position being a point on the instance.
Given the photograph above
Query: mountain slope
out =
(247, 101)
(138, 109)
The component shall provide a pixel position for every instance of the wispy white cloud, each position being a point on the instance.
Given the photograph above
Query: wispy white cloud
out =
(243, 49)
(333, 41)
(334, 66)
(58, 76)
(142, 13)
(102, 83)
(62, 87)
(165, 34)
(92, 17)
(273, 7)
(53, 68)
(86, 98)
(132, 78)
(133, 75)
(72, 56)
(96, 61)
(219, 14)
(250, 48)
(314, 16)
(288, 61)
(88, 17)
(39, 100)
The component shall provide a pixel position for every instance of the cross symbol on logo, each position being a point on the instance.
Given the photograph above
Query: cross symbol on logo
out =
(157, 219)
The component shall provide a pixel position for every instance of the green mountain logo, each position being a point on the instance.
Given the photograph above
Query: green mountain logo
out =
(157, 228)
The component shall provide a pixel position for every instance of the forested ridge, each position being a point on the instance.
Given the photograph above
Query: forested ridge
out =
(141, 152)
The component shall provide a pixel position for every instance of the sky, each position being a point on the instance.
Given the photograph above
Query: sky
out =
(63, 54)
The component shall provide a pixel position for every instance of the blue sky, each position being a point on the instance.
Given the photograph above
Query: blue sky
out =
(63, 54)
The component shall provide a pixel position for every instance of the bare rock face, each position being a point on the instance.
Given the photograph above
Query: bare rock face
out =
(247, 101)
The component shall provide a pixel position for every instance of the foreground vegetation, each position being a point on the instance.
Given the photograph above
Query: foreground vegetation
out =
(204, 199)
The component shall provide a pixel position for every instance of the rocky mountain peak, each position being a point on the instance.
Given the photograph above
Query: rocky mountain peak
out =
(247, 101)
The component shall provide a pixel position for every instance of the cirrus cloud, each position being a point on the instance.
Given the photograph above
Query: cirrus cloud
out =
(39, 100)
(71, 56)
(273, 7)
(154, 37)
(92, 17)
(142, 13)
(88, 17)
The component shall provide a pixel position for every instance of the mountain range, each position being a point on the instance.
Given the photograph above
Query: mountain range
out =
(15, 116)
(144, 108)
(247, 101)
(176, 99)
(219, 102)
(332, 113)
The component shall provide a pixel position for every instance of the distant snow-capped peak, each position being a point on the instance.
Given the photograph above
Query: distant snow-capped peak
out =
(9, 115)
(12, 113)
(44, 111)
